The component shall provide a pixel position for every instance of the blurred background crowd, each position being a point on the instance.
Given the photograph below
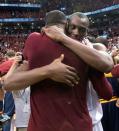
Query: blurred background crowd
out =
(18, 18)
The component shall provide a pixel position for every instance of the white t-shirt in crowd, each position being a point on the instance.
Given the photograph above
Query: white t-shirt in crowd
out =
(22, 107)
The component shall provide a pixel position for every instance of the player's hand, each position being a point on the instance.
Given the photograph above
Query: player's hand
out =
(63, 73)
(54, 32)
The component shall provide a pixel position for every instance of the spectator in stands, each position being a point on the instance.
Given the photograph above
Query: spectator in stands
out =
(8, 102)
(21, 99)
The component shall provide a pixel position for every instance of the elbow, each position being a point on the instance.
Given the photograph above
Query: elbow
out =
(104, 67)
(106, 64)
(108, 67)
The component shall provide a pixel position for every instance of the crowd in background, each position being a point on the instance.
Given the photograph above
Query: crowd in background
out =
(66, 6)
(18, 14)
(20, 1)
(16, 42)
(11, 42)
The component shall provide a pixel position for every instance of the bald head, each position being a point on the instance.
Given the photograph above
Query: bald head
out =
(84, 21)
(78, 24)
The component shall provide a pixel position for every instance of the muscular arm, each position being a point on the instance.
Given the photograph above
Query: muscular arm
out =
(22, 79)
(100, 61)
(19, 77)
